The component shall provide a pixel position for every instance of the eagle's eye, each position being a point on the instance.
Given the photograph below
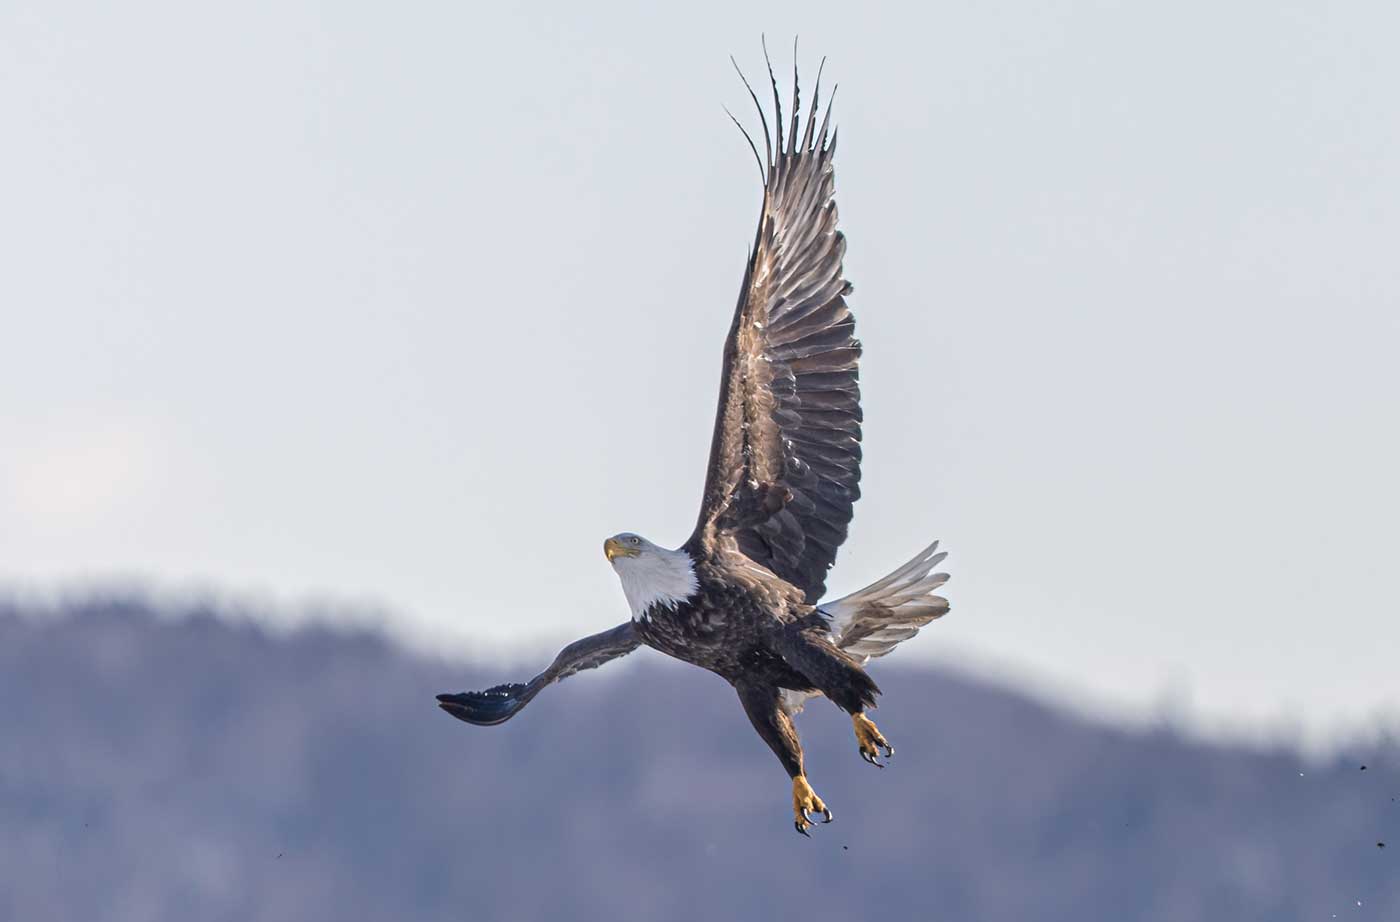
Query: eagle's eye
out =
(634, 540)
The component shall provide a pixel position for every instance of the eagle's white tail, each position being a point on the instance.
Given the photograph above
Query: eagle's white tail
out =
(873, 620)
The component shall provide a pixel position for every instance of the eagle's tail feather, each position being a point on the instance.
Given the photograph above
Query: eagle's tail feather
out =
(873, 621)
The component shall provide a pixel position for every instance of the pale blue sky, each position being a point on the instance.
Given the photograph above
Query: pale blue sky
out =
(410, 306)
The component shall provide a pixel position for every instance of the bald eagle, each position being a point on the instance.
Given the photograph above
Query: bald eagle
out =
(742, 597)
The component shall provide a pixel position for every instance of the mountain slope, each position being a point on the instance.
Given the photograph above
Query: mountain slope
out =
(189, 768)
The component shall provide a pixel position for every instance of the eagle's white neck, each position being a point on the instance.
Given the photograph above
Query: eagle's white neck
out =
(656, 577)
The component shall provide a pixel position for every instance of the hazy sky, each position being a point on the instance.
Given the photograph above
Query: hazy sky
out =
(411, 306)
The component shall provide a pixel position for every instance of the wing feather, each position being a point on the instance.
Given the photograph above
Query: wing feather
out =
(789, 420)
(500, 703)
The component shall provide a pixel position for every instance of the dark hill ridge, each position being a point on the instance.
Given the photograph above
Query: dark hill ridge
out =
(193, 769)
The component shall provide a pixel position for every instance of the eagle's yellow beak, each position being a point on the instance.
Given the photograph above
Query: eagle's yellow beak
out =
(613, 548)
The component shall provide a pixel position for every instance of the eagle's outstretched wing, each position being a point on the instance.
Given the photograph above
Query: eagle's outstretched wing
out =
(785, 458)
(499, 704)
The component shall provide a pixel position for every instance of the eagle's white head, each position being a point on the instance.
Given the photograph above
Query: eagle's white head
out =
(650, 575)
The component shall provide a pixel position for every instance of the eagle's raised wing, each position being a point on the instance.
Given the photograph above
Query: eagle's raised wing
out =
(499, 704)
(785, 458)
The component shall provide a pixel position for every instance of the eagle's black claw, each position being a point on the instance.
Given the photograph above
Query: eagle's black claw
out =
(827, 814)
(870, 758)
(798, 826)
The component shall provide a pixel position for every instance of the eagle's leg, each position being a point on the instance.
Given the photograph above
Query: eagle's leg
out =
(870, 739)
(763, 704)
(839, 677)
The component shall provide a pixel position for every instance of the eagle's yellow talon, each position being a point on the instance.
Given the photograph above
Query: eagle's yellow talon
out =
(870, 740)
(805, 802)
